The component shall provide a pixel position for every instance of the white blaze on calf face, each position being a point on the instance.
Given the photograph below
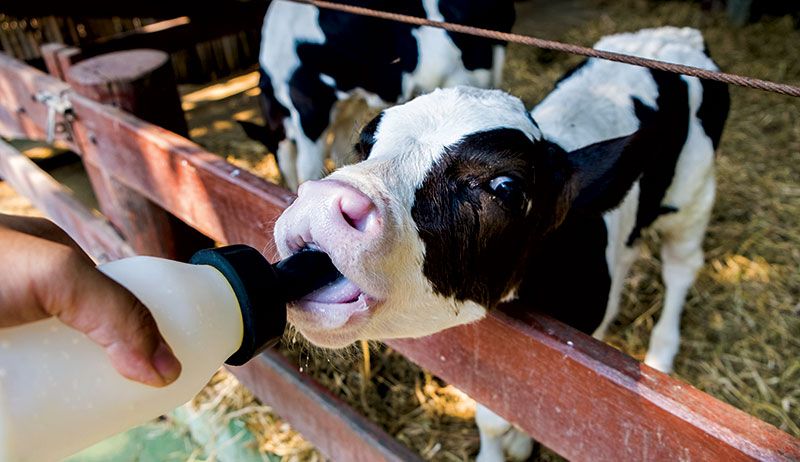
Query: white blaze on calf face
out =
(384, 259)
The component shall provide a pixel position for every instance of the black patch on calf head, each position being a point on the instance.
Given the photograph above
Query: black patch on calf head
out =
(476, 232)
(567, 275)
(496, 202)
(477, 52)
(366, 140)
(477, 241)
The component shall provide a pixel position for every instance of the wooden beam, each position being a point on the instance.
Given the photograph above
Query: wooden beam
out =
(334, 427)
(21, 115)
(586, 400)
(140, 82)
(89, 229)
(242, 208)
(222, 201)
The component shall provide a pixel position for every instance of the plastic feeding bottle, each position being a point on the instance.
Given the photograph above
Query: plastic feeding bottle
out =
(58, 391)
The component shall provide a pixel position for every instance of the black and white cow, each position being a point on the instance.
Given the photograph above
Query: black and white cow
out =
(463, 200)
(310, 59)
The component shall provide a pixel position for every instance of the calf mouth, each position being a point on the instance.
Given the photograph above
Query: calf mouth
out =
(338, 307)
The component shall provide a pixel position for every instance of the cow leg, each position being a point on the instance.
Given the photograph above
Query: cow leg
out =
(625, 258)
(619, 255)
(310, 159)
(682, 258)
(498, 437)
(287, 162)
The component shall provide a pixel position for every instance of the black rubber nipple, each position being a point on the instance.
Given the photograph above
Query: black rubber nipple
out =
(305, 272)
(263, 289)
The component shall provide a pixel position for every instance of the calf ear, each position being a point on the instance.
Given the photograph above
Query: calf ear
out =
(603, 173)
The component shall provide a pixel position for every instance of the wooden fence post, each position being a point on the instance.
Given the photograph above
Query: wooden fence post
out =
(59, 58)
(140, 82)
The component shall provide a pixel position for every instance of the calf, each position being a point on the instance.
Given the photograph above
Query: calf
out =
(463, 200)
(310, 59)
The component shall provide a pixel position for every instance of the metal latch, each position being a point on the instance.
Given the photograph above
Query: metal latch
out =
(57, 105)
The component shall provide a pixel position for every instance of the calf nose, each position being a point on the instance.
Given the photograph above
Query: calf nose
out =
(348, 208)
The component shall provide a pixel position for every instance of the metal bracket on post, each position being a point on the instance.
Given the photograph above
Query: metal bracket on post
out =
(57, 105)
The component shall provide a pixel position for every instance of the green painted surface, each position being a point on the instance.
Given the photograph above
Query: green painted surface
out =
(153, 442)
(186, 435)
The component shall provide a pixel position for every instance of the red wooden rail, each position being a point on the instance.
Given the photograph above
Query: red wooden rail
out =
(342, 433)
(578, 396)
(92, 232)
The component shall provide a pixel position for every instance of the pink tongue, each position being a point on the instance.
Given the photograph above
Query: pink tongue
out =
(340, 291)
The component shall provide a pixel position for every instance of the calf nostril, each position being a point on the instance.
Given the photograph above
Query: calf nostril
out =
(358, 210)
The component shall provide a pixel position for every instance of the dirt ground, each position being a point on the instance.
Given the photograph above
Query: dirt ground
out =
(741, 326)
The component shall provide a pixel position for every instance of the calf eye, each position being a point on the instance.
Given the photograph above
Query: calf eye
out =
(508, 191)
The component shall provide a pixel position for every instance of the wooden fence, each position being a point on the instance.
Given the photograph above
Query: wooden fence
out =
(201, 49)
(576, 395)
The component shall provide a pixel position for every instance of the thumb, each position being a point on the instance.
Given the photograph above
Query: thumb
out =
(112, 317)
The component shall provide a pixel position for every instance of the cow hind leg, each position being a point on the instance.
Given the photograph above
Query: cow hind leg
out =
(682, 258)
(287, 163)
(627, 255)
(310, 159)
(499, 438)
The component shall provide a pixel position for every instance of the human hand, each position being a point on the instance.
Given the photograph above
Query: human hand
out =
(46, 274)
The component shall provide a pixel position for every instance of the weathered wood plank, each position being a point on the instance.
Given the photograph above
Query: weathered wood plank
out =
(89, 229)
(21, 115)
(588, 401)
(222, 201)
(49, 53)
(140, 82)
(215, 197)
(147, 226)
(334, 427)
(137, 81)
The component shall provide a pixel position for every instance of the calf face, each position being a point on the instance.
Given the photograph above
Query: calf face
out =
(435, 224)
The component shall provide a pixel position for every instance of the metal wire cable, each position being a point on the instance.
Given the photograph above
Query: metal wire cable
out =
(742, 81)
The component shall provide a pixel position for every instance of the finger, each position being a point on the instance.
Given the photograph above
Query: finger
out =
(85, 299)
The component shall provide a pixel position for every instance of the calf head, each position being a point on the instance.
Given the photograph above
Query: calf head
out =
(434, 226)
